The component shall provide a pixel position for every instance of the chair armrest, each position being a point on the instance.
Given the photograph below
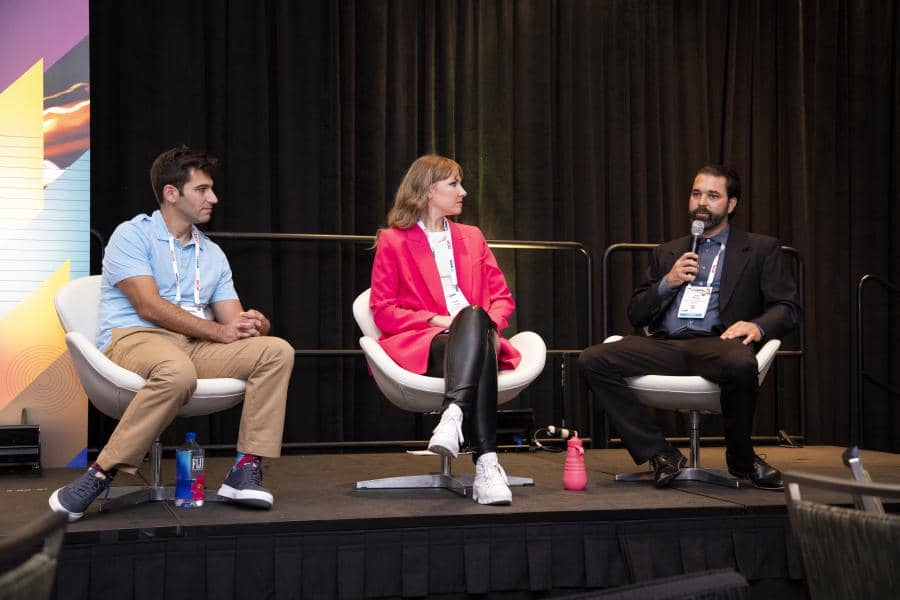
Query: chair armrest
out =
(380, 360)
(84, 350)
(692, 384)
(766, 357)
(534, 356)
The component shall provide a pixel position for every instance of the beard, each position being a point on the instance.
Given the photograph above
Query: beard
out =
(709, 219)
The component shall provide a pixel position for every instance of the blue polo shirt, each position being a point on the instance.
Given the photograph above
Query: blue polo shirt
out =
(141, 247)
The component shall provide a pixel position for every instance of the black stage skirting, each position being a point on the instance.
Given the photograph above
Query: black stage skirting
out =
(324, 539)
(432, 561)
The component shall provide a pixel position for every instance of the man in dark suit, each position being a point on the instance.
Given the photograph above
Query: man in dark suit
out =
(705, 311)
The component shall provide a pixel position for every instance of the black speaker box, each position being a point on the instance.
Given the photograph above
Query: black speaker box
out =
(515, 427)
(20, 449)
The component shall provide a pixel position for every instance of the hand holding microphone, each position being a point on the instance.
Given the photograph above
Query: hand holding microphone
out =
(686, 267)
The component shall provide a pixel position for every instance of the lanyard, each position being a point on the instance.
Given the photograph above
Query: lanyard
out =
(443, 253)
(196, 237)
(714, 266)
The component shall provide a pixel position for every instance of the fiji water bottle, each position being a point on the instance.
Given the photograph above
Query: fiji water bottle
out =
(190, 483)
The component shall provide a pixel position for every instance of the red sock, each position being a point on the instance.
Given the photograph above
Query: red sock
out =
(108, 474)
(247, 458)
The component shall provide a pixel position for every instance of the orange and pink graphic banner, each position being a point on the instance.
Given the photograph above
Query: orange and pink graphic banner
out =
(44, 215)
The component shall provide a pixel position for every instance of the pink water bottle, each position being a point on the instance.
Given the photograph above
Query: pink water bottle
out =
(574, 475)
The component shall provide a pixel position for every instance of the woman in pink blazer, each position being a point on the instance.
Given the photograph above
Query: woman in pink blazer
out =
(441, 301)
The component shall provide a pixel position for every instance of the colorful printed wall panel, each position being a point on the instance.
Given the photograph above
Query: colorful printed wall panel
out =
(44, 214)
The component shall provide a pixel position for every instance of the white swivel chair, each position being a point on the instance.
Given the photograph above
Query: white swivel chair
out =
(695, 395)
(111, 388)
(423, 394)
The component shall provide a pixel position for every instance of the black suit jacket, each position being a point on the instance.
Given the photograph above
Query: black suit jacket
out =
(757, 285)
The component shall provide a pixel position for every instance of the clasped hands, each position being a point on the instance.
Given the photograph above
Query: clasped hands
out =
(684, 271)
(248, 323)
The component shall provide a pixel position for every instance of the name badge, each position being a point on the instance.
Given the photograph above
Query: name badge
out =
(694, 302)
(456, 302)
(197, 311)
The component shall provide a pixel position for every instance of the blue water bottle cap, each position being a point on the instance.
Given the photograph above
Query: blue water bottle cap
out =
(190, 436)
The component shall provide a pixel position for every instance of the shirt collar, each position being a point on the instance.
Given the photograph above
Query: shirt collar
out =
(722, 237)
(162, 232)
(159, 226)
(446, 225)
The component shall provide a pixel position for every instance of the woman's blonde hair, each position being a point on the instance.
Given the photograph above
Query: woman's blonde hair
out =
(412, 193)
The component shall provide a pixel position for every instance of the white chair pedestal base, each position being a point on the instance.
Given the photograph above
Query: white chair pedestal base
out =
(716, 476)
(694, 472)
(444, 480)
(434, 480)
(512, 480)
(132, 495)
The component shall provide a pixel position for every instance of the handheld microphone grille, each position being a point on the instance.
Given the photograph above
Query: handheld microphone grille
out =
(696, 231)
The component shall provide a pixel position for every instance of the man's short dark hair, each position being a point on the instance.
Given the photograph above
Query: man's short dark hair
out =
(173, 167)
(732, 180)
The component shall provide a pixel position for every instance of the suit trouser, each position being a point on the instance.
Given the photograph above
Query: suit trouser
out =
(171, 363)
(467, 360)
(729, 363)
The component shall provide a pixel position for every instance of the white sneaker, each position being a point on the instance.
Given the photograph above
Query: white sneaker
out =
(491, 485)
(448, 435)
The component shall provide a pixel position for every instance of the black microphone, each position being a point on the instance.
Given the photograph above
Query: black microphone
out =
(696, 231)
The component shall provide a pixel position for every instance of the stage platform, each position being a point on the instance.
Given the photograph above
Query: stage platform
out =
(326, 539)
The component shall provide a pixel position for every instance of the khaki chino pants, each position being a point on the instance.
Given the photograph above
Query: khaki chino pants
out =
(171, 363)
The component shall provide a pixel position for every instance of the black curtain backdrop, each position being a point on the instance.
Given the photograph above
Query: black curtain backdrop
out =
(573, 120)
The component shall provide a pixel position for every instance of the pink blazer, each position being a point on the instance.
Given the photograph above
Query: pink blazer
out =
(406, 292)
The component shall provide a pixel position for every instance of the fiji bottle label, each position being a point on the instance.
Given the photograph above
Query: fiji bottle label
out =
(183, 475)
(190, 482)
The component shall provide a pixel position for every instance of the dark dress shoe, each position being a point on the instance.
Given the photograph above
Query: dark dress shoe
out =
(763, 475)
(666, 466)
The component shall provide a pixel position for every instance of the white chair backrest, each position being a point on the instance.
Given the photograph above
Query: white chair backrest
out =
(77, 303)
(363, 315)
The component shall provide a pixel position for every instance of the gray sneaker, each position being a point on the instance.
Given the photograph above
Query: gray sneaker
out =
(244, 486)
(74, 498)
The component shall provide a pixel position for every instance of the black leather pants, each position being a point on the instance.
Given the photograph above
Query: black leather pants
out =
(467, 360)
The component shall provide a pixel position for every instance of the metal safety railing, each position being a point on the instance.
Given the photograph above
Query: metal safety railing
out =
(858, 412)
(797, 353)
(368, 240)
(338, 352)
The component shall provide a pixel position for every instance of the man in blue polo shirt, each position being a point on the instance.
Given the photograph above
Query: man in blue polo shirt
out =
(170, 313)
